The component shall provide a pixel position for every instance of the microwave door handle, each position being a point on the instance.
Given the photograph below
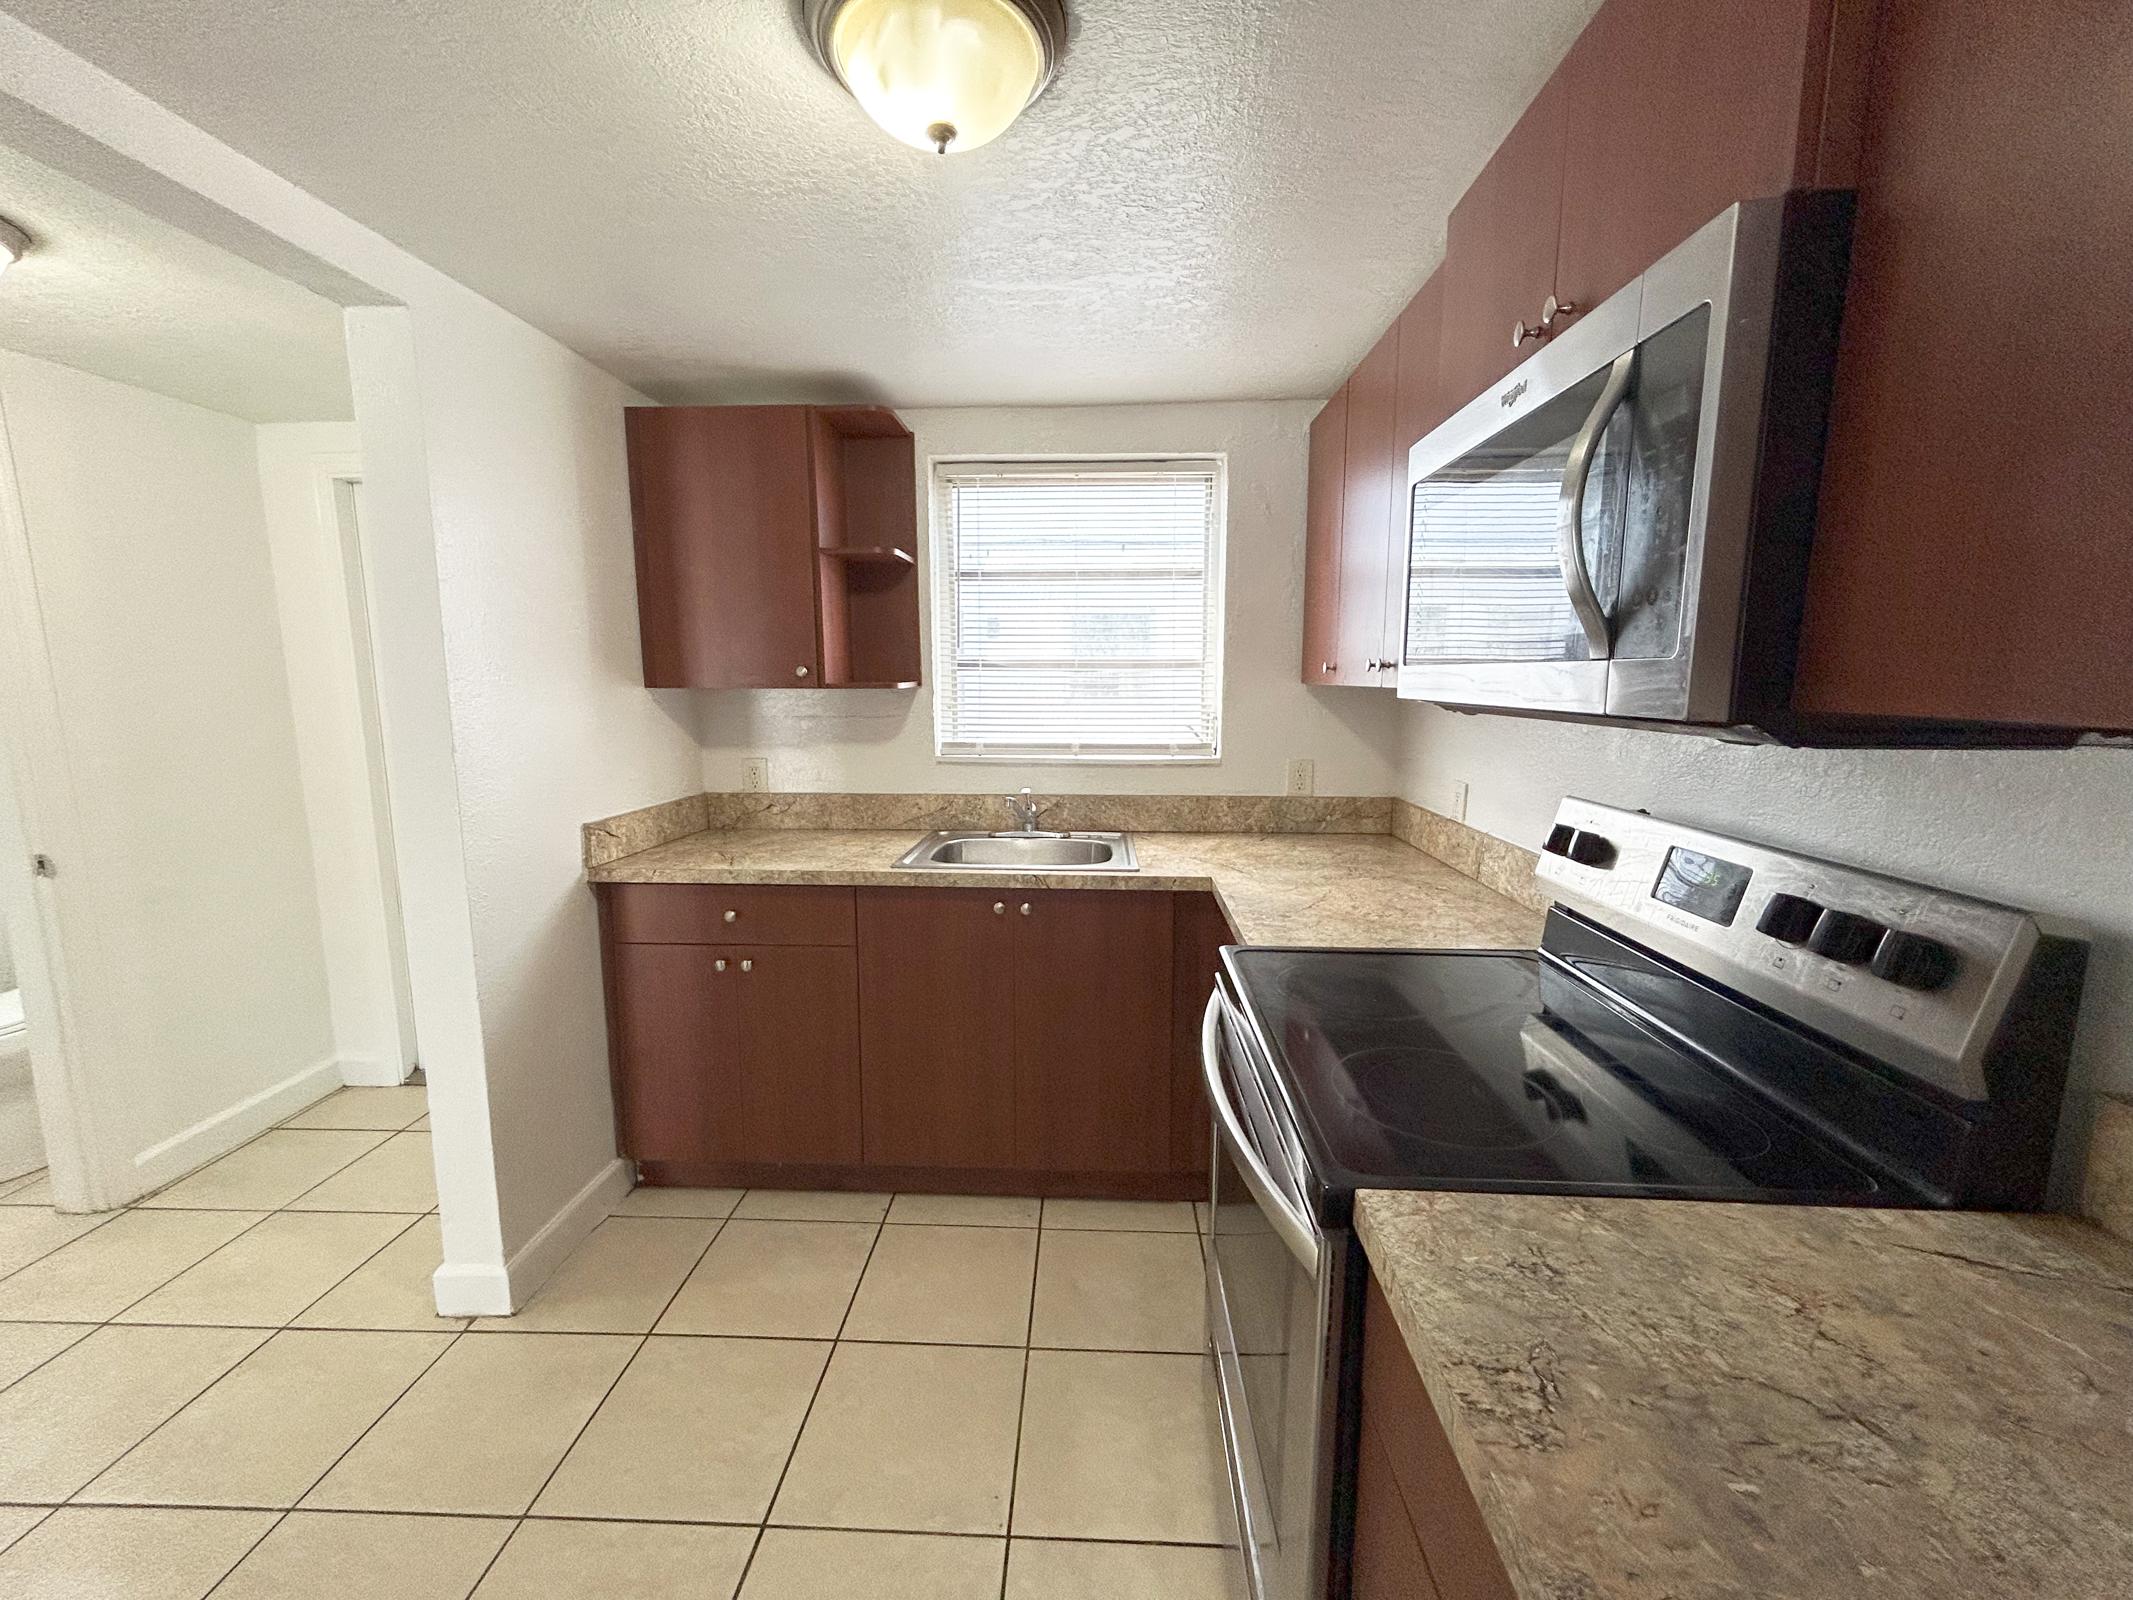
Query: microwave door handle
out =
(1289, 1224)
(1570, 527)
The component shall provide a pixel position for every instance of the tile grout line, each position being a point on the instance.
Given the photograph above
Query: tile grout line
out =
(47, 1507)
(412, 1224)
(143, 1202)
(815, 1394)
(94, 1227)
(1014, 1469)
(643, 1339)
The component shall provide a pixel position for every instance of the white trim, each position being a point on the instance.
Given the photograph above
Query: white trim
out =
(470, 1290)
(192, 1148)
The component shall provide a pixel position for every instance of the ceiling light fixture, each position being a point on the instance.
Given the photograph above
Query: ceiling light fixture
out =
(940, 75)
(14, 244)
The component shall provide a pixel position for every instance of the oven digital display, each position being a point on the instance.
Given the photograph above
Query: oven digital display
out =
(1702, 885)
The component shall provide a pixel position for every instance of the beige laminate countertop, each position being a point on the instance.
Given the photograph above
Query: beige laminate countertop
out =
(1277, 888)
(1694, 1400)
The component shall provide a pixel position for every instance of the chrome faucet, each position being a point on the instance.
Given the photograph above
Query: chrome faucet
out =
(1026, 810)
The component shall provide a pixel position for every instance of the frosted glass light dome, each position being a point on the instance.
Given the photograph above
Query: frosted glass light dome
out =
(940, 75)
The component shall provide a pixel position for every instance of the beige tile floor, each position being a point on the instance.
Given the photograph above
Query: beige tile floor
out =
(238, 1388)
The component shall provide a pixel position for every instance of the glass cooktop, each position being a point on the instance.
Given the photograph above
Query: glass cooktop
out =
(1501, 1070)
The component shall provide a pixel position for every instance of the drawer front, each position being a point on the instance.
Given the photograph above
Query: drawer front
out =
(716, 913)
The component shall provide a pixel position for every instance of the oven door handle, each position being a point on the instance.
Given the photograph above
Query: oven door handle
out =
(1292, 1227)
(1570, 527)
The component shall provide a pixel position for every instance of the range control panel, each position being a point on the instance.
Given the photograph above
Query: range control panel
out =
(1913, 975)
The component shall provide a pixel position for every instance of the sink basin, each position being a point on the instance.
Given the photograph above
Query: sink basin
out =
(1021, 852)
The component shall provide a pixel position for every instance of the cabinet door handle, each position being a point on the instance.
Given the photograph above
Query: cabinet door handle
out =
(718, 966)
(799, 672)
(1025, 908)
(1520, 333)
(747, 966)
(1325, 666)
(732, 916)
(999, 908)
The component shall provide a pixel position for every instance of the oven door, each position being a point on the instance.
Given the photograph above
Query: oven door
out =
(1272, 1274)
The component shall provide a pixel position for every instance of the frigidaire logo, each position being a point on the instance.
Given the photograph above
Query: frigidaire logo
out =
(1510, 396)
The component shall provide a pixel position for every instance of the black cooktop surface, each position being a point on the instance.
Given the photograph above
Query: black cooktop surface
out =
(1501, 1070)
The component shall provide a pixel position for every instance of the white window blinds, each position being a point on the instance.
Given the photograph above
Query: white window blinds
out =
(1078, 609)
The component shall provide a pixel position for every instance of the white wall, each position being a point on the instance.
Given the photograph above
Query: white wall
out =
(184, 898)
(326, 646)
(2049, 831)
(881, 740)
(507, 656)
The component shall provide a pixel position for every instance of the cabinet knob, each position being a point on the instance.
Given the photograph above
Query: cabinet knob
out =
(999, 908)
(1325, 666)
(732, 916)
(1552, 308)
(747, 966)
(719, 965)
(799, 672)
(1025, 908)
(1521, 334)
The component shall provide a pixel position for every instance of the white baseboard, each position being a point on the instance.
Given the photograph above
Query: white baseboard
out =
(218, 1135)
(473, 1290)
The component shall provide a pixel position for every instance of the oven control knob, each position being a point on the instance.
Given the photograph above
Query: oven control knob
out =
(1913, 960)
(1843, 937)
(1788, 918)
(1592, 849)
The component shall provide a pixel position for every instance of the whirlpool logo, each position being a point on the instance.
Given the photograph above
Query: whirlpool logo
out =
(1511, 396)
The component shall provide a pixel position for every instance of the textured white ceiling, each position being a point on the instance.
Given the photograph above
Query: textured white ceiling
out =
(115, 292)
(1216, 199)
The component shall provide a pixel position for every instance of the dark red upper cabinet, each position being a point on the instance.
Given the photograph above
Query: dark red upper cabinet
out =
(1500, 251)
(1322, 541)
(1366, 516)
(1672, 111)
(1418, 406)
(776, 546)
(1973, 557)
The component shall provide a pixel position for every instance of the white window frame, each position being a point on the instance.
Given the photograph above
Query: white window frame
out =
(942, 556)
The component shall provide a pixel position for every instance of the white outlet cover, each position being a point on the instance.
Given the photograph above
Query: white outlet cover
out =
(1302, 776)
(755, 774)
(1459, 800)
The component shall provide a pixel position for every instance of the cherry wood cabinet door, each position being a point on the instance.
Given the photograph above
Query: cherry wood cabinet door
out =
(1092, 1030)
(1322, 541)
(1366, 514)
(1418, 406)
(1500, 251)
(793, 1096)
(1425, 1476)
(1971, 559)
(1388, 1560)
(1673, 110)
(937, 1026)
(676, 1050)
(722, 503)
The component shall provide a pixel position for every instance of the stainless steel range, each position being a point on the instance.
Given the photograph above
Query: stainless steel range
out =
(1704, 1019)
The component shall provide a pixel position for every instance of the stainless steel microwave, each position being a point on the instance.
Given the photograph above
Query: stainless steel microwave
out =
(1620, 528)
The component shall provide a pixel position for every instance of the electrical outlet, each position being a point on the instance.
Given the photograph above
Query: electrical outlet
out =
(1301, 778)
(1459, 800)
(755, 774)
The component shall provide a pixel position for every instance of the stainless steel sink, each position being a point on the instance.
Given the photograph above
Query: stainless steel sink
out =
(1021, 852)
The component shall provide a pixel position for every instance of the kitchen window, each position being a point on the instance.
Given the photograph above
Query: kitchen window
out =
(1078, 608)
